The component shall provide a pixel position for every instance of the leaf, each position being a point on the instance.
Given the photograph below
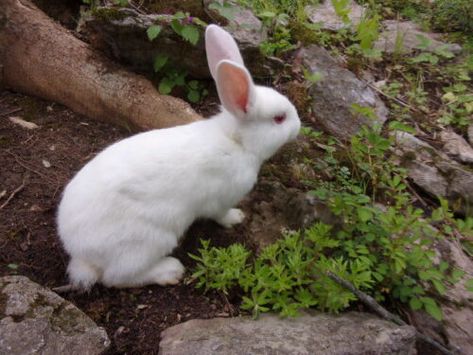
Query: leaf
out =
(469, 285)
(444, 52)
(267, 14)
(312, 77)
(415, 304)
(159, 62)
(425, 58)
(179, 15)
(165, 86)
(364, 214)
(193, 84)
(424, 42)
(193, 96)
(434, 310)
(449, 97)
(191, 34)
(153, 31)
(177, 26)
(439, 286)
(399, 126)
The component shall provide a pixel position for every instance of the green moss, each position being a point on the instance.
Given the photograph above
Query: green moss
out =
(69, 320)
(108, 14)
(304, 34)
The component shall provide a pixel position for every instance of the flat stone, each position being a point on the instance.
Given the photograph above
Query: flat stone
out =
(281, 209)
(35, 320)
(350, 333)
(325, 14)
(124, 37)
(436, 173)
(456, 146)
(335, 94)
(411, 38)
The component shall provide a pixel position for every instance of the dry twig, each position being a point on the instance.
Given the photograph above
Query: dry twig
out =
(400, 102)
(17, 190)
(64, 289)
(384, 313)
(15, 110)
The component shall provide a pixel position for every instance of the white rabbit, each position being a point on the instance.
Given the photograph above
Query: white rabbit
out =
(124, 211)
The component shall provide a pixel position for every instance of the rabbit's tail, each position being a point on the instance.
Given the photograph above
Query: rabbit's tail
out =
(82, 274)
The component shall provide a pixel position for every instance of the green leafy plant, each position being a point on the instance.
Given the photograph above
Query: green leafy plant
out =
(342, 9)
(453, 15)
(385, 251)
(279, 43)
(153, 31)
(457, 109)
(173, 77)
(367, 32)
(188, 28)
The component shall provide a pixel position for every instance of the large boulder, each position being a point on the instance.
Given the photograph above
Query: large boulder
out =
(35, 320)
(350, 333)
(121, 32)
(456, 146)
(436, 173)
(336, 92)
(457, 305)
(410, 38)
(325, 15)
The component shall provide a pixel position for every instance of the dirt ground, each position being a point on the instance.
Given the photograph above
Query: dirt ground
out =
(35, 166)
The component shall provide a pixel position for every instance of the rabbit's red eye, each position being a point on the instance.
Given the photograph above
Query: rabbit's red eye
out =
(279, 119)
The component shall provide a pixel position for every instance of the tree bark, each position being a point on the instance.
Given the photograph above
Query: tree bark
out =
(41, 58)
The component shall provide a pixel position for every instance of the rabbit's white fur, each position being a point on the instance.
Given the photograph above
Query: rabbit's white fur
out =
(124, 212)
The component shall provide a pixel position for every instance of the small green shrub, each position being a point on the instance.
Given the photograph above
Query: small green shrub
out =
(187, 27)
(453, 15)
(386, 252)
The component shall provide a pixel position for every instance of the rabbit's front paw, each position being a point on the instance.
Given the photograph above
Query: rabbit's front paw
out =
(232, 217)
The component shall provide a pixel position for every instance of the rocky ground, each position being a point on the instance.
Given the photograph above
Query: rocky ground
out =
(38, 160)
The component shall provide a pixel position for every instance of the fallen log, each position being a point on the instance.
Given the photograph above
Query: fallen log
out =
(41, 58)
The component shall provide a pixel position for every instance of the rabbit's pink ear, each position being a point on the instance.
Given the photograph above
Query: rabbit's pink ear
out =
(235, 88)
(220, 45)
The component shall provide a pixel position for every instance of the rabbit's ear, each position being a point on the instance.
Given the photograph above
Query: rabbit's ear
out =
(235, 88)
(220, 45)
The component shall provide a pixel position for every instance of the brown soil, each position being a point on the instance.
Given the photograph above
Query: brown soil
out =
(30, 192)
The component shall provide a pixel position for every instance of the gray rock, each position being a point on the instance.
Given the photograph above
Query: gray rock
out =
(334, 95)
(122, 34)
(350, 333)
(410, 35)
(458, 308)
(303, 209)
(282, 209)
(35, 320)
(457, 304)
(456, 146)
(244, 26)
(325, 14)
(436, 173)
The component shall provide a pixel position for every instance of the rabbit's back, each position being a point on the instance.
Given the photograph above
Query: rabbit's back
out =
(158, 180)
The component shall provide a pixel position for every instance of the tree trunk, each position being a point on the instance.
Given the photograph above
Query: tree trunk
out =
(41, 58)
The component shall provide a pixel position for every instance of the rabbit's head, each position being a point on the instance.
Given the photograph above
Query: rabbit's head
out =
(265, 119)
